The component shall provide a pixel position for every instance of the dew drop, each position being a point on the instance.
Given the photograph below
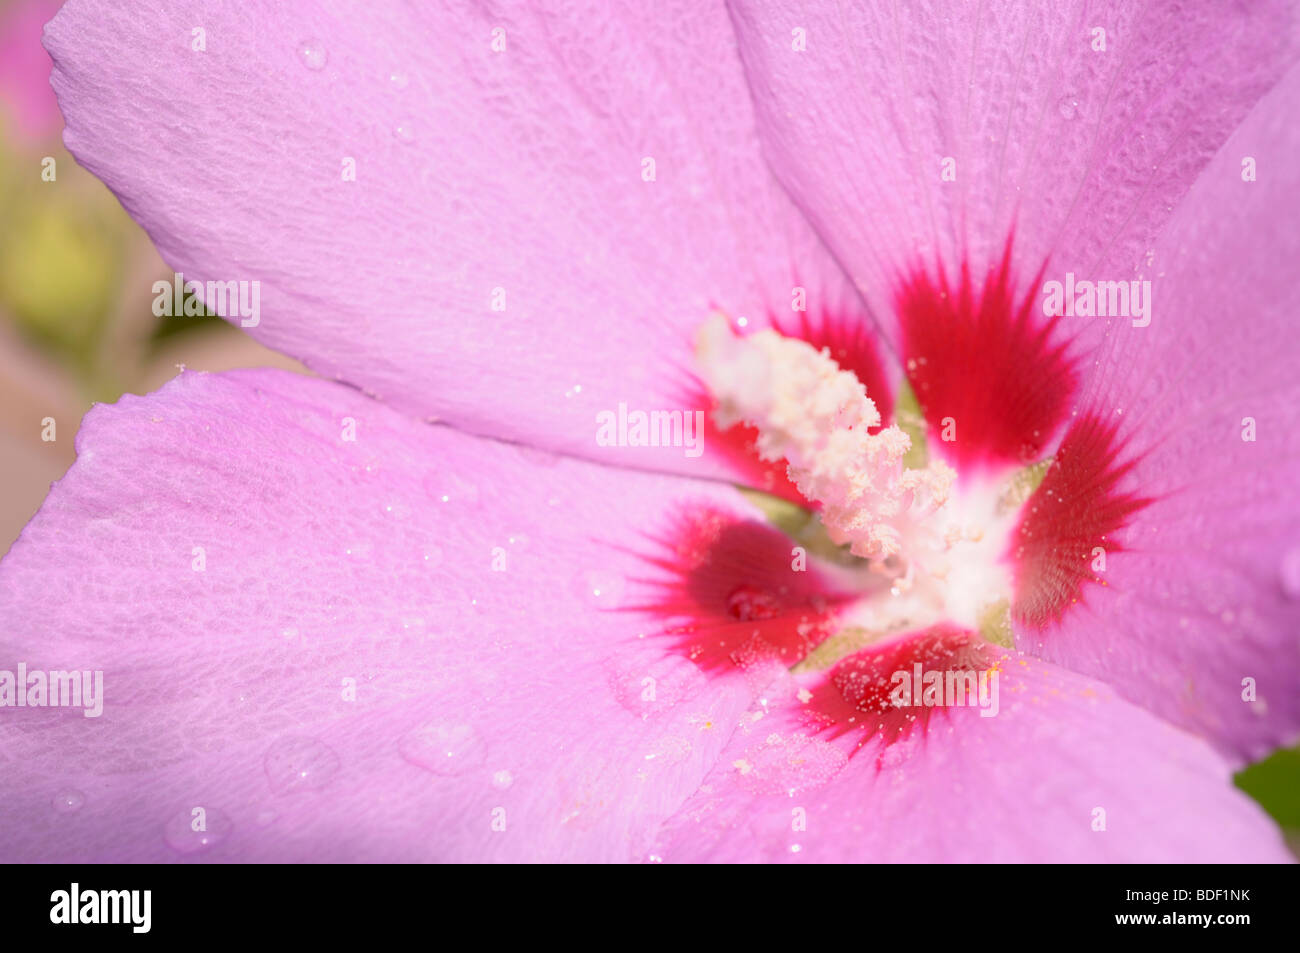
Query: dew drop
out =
(404, 131)
(1068, 106)
(180, 835)
(312, 54)
(65, 802)
(360, 550)
(397, 510)
(450, 489)
(298, 763)
(443, 749)
(599, 588)
(398, 80)
(502, 780)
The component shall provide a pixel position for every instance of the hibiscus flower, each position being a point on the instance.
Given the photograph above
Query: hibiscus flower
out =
(414, 608)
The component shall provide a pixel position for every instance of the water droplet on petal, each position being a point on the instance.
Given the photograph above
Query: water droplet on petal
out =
(413, 625)
(1068, 106)
(502, 780)
(398, 80)
(180, 835)
(443, 749)
(599, 588)
(312, 54)
(397, 510)
(65, 802)
(298, 763)
(451, 489)
(404, 131)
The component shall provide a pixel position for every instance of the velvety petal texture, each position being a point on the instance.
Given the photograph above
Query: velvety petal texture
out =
(1074, 133)
(1199, 616)
(930, 132)
(406, 646)
(419, 645)
(511, 218)
(332, 627)
(1065, 771)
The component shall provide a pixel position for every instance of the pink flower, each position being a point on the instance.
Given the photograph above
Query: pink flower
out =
(330, 630)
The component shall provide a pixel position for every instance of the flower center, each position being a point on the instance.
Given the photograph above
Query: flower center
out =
(929, 550)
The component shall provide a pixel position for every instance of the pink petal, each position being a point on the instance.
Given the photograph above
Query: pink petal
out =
(1202, 589)
(1073, 521)
(326, 560)
(476, 171)
(1024, 785)
(1081, 152)
(983, 361)
(732, 592)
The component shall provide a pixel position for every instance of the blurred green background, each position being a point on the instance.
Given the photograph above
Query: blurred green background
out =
(76, 323)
